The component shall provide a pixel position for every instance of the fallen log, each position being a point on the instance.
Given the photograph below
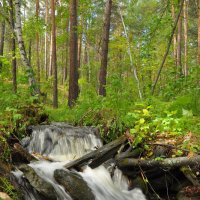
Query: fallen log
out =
(168, 162)
(188, 173)
(97, 157)
(25, 155)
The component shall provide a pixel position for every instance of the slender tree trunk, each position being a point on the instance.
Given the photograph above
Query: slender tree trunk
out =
(199, 32)
(130, 56)
(66, 55)
(104, 51)
(2, 29)
(37, 43)
(18, 28)
(179, 46)
(30, 51)
(168, 47)
(54, 58)
(185, 15)
(80, 51)
(50, 57)
(175, 36)
(80, 44)
(73, 79)
(46, 38)
(13, 47)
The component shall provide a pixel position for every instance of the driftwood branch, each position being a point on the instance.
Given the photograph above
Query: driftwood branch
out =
(97, 157)
(168, 162)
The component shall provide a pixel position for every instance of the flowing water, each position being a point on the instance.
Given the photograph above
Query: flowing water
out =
(63, 143)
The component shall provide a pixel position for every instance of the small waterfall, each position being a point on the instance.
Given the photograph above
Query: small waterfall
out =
(63, 143)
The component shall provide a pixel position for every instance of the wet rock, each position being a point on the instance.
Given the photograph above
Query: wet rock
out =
(74, 185)
(42, 186)
(4, 196)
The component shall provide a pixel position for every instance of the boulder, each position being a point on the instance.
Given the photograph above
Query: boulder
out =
(74, 185)
(4, 196)
(42, 186)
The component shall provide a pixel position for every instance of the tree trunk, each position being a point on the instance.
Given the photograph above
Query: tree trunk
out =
(13, 47)
(30, 51)
(130, 56)
(179, 46)
(54, 64)
(104, 50)
(2, 29)
(174, 38)
(167, 162)
(65, 73)
(46, 38)
(50, 56)
(37, 43)
(168, 47)
(199, 32)
(18, 28)
(73, 79)
(185, 15)
(99, 156)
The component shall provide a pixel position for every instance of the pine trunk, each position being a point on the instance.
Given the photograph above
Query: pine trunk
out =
(46, 38)
(53, 57)
(18, 28)
(37, 43)
(185, 15)
(73, 79)
(199, 32)
(104, 52)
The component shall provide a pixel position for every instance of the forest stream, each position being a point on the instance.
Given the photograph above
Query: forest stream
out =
(56, 145)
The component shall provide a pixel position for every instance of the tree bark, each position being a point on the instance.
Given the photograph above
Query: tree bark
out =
(179, 46)
(65, 73)
(54, 58)
(73, 54)
(104, 50)
(46, 38)
(185, 16)
(37, 42)
(130, 56)
(168, 162)
(18, 28)
(13, 47)
(2, 39)
(98, 156)
(198, 32)
(174, 37)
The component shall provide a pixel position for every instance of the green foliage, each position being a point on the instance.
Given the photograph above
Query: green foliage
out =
(8, 188)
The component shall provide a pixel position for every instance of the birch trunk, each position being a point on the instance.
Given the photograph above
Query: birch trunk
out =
(13, 47)
(179, 46)
(130, 56)
(3, 27)
(175, 36)
(18, 28)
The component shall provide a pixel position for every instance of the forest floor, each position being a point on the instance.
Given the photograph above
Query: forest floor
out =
(149, 126)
